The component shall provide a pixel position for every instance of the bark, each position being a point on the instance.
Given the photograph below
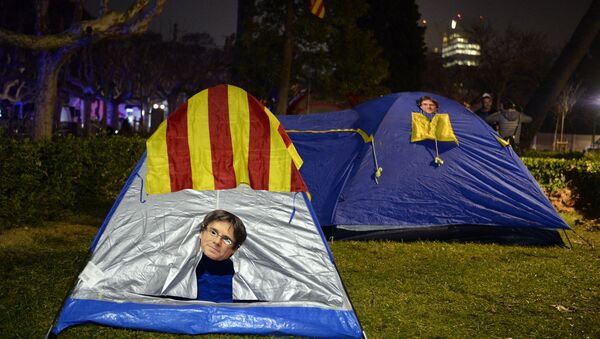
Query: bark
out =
(114, 121)
(87, 115)
(49, 64)
(145, 116)
(572, 54)
(172, 103)
(104, 113)
(135, 20)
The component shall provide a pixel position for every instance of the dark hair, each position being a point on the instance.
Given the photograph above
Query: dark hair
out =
(239, 230)
(425, 97)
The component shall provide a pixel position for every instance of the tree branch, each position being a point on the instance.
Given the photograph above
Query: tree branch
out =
(103, 7)
(41, 16)
(135, 20)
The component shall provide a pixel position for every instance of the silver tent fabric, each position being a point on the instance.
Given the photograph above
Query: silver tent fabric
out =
(150, 248)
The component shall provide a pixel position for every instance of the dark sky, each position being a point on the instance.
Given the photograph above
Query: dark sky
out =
(556, 18)
(217, 17)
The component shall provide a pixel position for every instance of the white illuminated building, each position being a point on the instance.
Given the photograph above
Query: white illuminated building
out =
(457, 50)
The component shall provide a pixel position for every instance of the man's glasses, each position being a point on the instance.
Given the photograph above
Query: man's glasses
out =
(215, 234)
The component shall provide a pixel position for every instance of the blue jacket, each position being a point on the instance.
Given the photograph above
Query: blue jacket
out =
(215, 280)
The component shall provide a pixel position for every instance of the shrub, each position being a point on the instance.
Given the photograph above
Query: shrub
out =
(531, 153)
(49, 179)
(582, 175)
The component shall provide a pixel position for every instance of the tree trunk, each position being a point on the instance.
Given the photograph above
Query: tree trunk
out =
(244, 9)
(104, 113)
(172, 103)
(57, 111)
(286, 67)
(570, 57)
(114, 120)
(144, 119)
(87, 115)
(47, 93)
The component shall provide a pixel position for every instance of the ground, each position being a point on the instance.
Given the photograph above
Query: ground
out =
(418, 289)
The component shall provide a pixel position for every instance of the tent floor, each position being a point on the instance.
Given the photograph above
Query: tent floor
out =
(456, 233)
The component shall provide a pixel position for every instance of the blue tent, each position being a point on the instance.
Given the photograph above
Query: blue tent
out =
(368, 180)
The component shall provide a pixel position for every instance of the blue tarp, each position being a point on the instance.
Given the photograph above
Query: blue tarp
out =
(194, 319)
(480, 183)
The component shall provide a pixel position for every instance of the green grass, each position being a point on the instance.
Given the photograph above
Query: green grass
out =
(419, 289)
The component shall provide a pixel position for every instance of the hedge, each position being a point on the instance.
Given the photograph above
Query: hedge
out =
(570, 155)
(53, 179)
(56, 179)
(582, 175)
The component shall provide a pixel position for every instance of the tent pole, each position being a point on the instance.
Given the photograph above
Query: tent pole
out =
(582, 238)
(438, 161)
(568, 240)
(378, 169)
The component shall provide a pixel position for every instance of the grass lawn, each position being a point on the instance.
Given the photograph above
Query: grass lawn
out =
(419, 289)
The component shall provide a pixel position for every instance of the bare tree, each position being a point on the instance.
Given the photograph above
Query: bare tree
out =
(16, 86)
(116, 71)
(81, 80)
(56, 49)
(192, 64)
(511, 63)
(115, 84)
(145, 69)
(564, 103)
(562, 70)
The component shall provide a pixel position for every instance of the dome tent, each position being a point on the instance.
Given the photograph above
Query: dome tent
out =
(220, 150)
(369, 180)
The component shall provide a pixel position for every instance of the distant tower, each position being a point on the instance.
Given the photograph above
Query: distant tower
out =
(456, 48)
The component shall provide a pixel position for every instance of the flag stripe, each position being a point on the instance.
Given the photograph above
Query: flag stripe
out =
(317, 7)
(260, 145)
(239, 125)
(200, 149)
(180, 169)
(284, 136)
(220, 138)
(279, 164)
(321, 10)
(158, 162)
(297, 184)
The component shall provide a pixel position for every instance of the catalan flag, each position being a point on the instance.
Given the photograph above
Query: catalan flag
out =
(317, 7)
(220, 138)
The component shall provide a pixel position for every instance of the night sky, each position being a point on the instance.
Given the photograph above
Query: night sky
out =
(216, 17)
(556, 18)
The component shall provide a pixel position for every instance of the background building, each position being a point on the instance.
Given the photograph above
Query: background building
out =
(456, 48)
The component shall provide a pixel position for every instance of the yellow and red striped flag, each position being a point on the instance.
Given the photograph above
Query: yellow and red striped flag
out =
(221, 138)
(317, 7)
